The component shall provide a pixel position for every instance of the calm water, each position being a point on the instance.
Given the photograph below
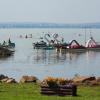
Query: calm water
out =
(42, 63)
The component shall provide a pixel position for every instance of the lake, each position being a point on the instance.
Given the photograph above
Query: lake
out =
(42, 63)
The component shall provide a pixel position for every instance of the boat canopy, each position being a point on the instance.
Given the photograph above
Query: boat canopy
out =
(91, 43)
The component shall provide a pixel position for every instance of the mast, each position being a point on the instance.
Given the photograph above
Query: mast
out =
(85, 37)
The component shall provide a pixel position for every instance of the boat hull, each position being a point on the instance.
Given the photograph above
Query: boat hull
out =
(93, 49)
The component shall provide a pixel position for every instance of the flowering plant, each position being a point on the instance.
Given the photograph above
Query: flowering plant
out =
(51, 81)
(62, 81)
(54, 82)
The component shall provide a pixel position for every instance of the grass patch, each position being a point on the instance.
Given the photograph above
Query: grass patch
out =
(29, 91)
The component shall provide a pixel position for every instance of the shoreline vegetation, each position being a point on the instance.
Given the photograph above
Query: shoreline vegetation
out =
(29, 88)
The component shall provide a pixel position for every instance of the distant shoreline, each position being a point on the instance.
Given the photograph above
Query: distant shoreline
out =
(48, 25)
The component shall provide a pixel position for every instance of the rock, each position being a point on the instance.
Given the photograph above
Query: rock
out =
(28, 79)
(4, 80)
(98, 79)
(11, 80)
(8, 80)
(94, 83)
(82, 79)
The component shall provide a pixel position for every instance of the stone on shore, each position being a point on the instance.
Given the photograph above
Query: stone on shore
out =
(98, 79)
(28, 79)
(11, 80)
(83, 79)
(6, 79)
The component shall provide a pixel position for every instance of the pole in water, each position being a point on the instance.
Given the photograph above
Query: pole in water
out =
(85, 36)
(26, 36)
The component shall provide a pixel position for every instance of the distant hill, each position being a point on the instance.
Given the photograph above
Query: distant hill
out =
(48, 25)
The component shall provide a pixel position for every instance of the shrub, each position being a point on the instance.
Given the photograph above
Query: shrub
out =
(54, 82)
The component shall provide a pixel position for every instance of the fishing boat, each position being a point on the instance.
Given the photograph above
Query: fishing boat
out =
(44, 45)
(5, 52)
(40, 45)
(91, 44)
(75, 46)
(9, 45)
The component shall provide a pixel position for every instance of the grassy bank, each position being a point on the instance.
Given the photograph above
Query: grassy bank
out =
(31, 91)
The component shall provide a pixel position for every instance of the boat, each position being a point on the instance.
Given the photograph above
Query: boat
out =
(75, 46)
(5, 52)
(40, 45)
(44, 45)
(9, 45)
(91, 44)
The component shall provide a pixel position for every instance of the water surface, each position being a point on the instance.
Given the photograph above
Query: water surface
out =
(42, 63)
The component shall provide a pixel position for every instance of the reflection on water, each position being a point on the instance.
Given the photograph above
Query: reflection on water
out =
(69, 63)
(53, 56)
(49, 56)
(92, 55)
(5, 59)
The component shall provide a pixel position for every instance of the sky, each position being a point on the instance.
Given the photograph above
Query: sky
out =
(52, 11)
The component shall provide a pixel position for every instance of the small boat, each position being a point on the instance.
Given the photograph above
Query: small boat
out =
(9, 45)
(75, 46)
(44, 45)
(40, 45)
(92, 44)
(5, 52)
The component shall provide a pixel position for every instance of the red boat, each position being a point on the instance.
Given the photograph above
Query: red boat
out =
(75, 46)
(92, 44)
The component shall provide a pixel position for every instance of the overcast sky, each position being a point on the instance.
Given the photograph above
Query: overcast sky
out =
(57, 11)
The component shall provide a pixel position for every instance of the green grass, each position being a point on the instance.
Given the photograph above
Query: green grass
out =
(31, 91)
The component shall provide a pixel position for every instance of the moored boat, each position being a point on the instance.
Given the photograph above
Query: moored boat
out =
(75, 46)
(91, 44)
(5, 52)
(8, 44)
(40, 45)
(44, 45)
